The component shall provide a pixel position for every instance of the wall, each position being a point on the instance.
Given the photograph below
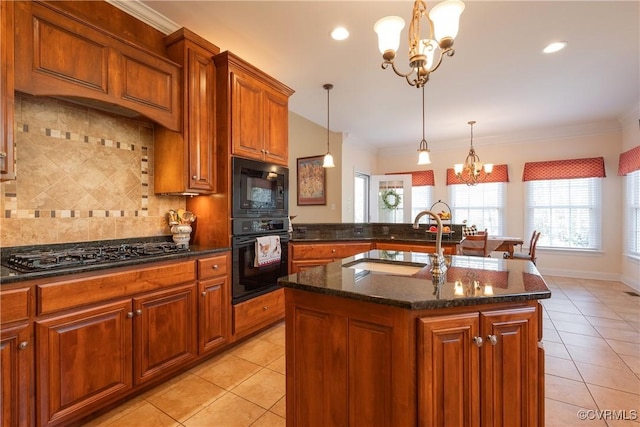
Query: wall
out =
(82, 175)
(307, 139)
(630, 139)
(357, 157)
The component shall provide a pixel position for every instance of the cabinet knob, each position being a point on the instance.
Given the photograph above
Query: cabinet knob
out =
(194, 177)
(138, 312)
(266, 151)
(23, 345)
(215, 266)
(477, 341)
(204, 293)
(492, 339)
(265, 308)
(3, 154)
(130, 314)
(333, 251)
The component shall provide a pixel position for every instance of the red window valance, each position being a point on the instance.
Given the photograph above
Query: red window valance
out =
(629, 161)
(418, 178)
(500, 173)
(564, 169)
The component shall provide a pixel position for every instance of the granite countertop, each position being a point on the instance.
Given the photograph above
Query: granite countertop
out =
(8, 275)
(510, 280)
(375, 231)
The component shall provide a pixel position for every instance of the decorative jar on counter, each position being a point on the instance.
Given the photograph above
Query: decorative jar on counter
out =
(181, 234)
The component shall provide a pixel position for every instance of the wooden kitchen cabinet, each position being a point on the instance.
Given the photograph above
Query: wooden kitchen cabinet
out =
(257, 313)
(253, 111)
(165, 331)
(83, 359)
(306, 255)
(63, 55)
(451, 249)
(186, 161)
(16, 358)
(214, 303)
(477, 369)
(7, 166)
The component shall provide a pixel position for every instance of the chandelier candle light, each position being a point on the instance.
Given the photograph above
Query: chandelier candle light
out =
(470, 171)
(328, 158)
(443, 21)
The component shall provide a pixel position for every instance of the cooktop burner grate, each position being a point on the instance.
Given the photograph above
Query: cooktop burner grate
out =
(34, 261)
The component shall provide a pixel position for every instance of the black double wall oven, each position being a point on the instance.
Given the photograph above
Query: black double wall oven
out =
(260, 205)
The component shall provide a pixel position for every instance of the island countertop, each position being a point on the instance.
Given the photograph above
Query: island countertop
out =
(469, 281)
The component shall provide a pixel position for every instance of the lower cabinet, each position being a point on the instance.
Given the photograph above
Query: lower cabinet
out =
(257, 313)
(88, 357)
(303, 256)
(214, 303)
(16, 358)
(479, 369)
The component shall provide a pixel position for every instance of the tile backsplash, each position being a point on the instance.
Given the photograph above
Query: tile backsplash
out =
(82, 175)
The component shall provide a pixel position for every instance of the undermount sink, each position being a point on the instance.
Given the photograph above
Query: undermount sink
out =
(399, 269)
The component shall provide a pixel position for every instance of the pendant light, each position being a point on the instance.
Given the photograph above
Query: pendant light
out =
(328, 158)
(423, 150)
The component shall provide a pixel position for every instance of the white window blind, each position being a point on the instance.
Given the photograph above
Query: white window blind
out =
(566, 211)
(421, 199)
(482, 205)
(632, 231)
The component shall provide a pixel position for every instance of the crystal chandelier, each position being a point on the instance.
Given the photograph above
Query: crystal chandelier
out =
(328, 158)
(471, 171)
(443, 20)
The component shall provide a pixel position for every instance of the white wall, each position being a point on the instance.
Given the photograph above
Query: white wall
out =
(357, 157)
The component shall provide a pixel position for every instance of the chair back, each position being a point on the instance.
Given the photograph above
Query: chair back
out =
(533, 238)
(475, 245)
(532, 249)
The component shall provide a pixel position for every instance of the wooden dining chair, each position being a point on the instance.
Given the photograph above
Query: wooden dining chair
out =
(531, 256)
(475, 245)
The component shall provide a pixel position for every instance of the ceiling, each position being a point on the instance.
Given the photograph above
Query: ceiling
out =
(498, 75)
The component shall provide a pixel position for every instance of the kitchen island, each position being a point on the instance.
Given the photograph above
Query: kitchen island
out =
(371, 340)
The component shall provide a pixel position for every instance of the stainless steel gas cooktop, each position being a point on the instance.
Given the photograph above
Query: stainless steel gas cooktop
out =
(45, 260)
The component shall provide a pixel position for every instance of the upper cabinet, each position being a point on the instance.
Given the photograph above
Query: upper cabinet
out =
(7, 170)
(63, 55)
(253, 111)
(186, 161)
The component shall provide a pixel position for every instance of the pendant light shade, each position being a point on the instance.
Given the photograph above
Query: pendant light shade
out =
(328, 158)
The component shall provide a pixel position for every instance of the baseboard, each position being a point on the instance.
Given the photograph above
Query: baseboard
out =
(580, 274)
(635, 284)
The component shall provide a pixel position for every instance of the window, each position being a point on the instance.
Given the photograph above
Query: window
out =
(632, 185)
(566, 211)
(361, 198)
(482, 205)
(421, 198)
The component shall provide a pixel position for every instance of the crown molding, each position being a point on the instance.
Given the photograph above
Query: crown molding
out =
(145, 14)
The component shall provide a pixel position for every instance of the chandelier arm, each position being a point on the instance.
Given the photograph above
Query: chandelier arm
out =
(448, 52)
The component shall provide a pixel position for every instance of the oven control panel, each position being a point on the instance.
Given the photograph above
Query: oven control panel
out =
(245, 226)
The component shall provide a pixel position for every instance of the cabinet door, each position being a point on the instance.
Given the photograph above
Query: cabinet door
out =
(276, 128)
(246, 117)
(297, 266)
(448, 379)
(83, 358)
(509, 368)
(165, 331)
(213, 313)
(200, 115)
(16, 355)
(7, 170)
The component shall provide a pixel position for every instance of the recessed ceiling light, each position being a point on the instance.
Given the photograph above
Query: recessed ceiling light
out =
(339, 33)
(554, 47)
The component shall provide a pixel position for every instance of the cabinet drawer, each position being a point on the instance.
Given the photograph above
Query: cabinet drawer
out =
(328, 250)
(86, 290)
(15, 306)
(212, 267)
(258, 312)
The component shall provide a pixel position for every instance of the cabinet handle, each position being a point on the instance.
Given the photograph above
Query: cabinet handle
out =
(333, 251)
(265, 308)
(138, 312)
(23, 345)
(130, 314)
(477, 341)
(215, 266)
(194, 177)
(492, 339)
(204, 293)
(266, 151)
(3, 154)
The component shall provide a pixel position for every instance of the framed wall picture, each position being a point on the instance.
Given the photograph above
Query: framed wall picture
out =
(312, 181)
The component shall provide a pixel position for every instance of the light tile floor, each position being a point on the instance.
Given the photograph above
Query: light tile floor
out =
(592, 344)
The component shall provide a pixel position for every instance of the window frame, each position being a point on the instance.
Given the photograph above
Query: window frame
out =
(500, 206)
